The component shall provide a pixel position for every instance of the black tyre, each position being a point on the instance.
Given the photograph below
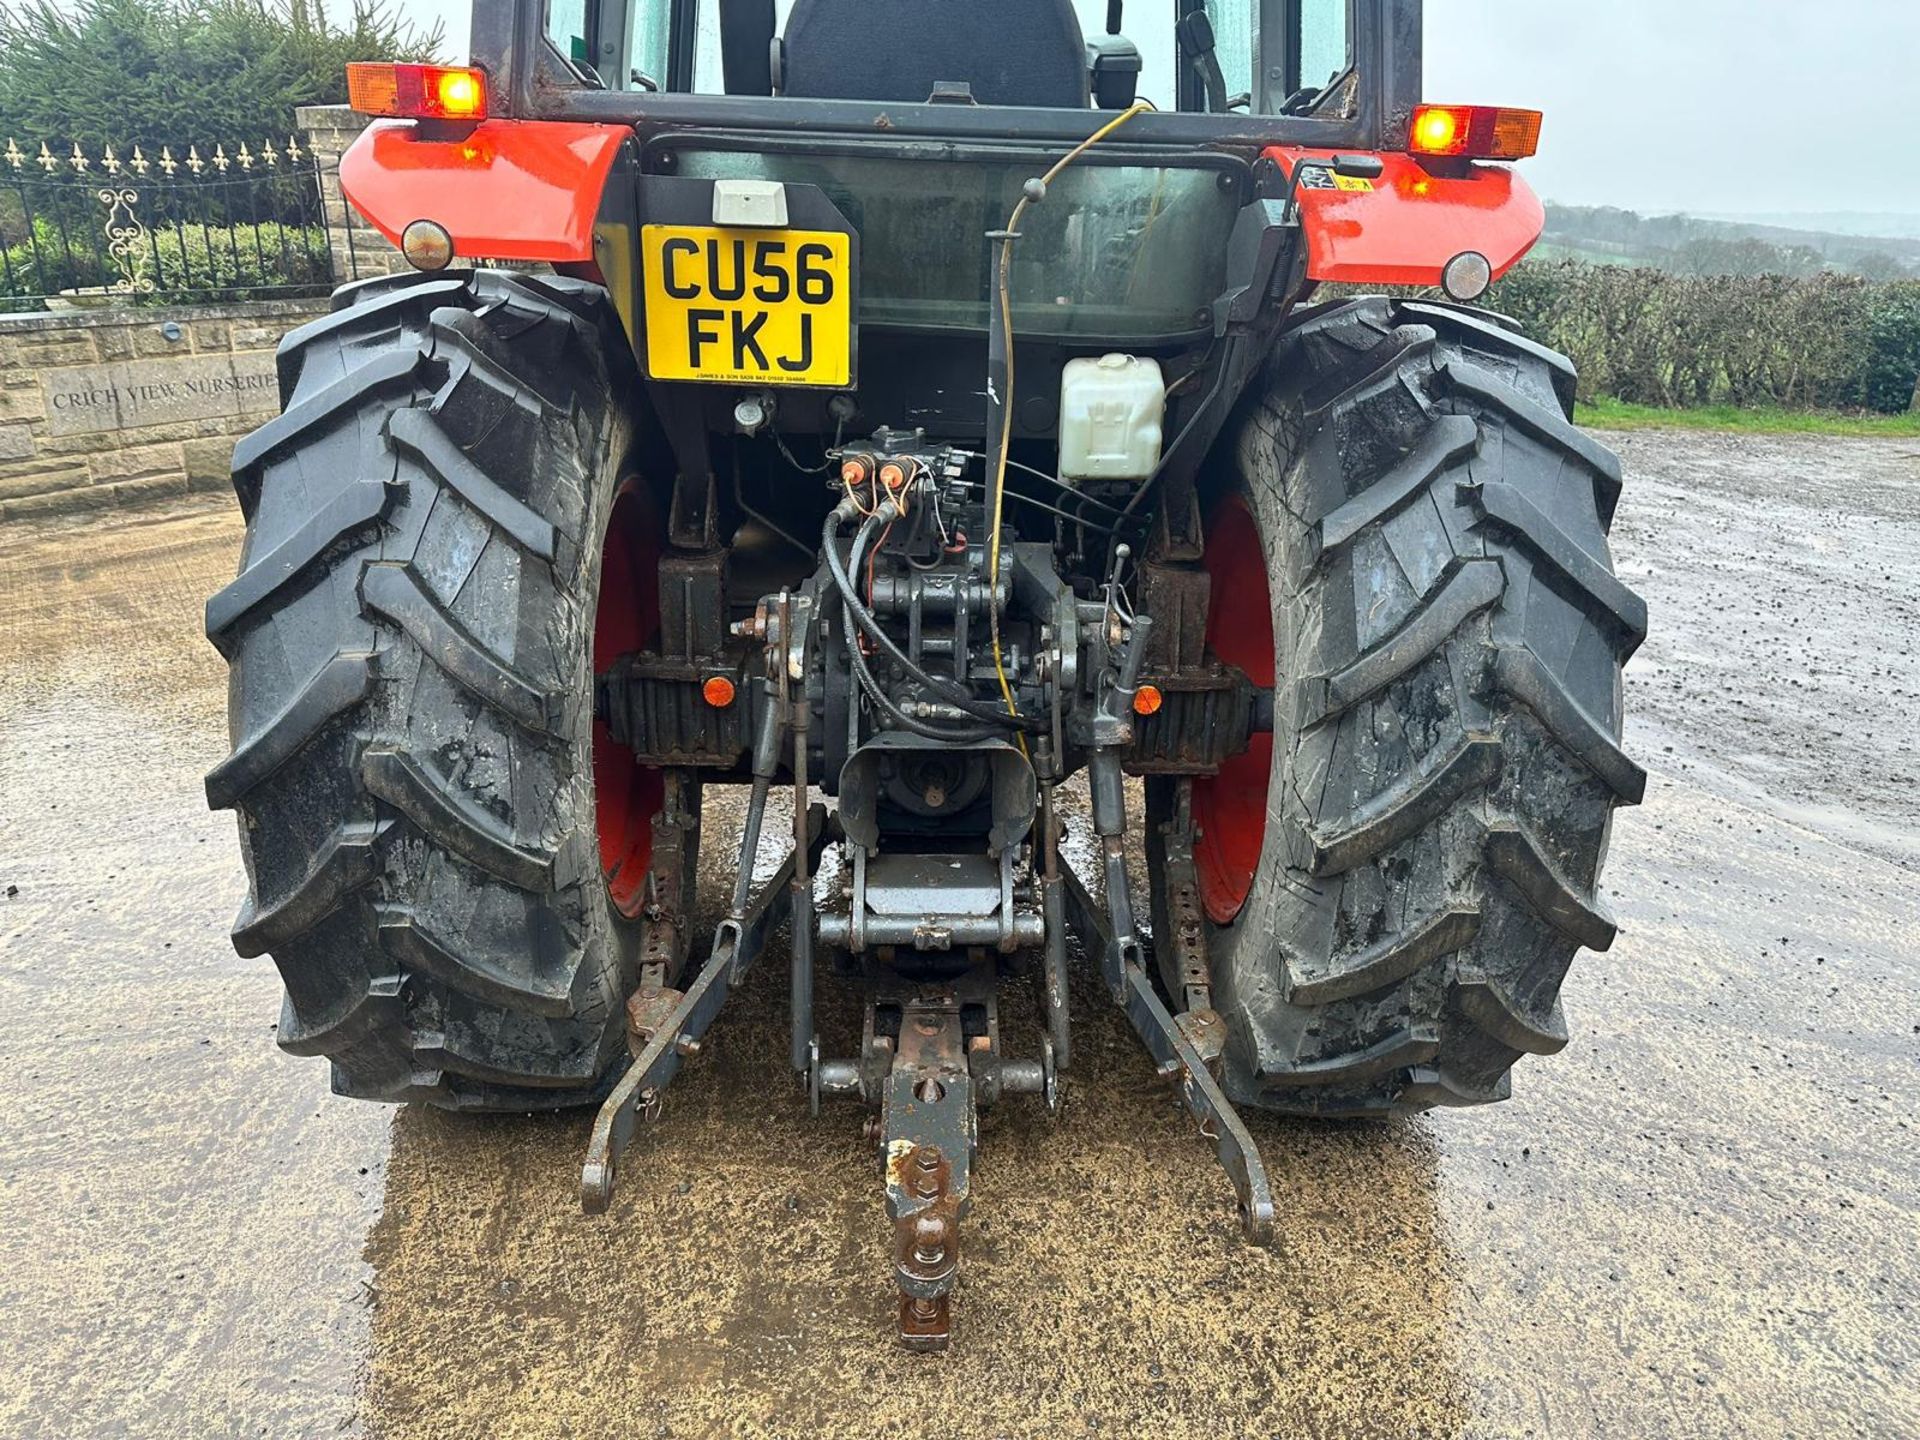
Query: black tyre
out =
(1413, 538)
(412, 638)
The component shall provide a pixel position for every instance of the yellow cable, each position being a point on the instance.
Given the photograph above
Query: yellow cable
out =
(1005, 289)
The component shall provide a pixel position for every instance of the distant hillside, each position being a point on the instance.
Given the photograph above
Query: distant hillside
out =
(1869, 225)
(1698, 246)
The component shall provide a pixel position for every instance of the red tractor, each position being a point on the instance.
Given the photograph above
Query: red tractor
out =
(881, 402)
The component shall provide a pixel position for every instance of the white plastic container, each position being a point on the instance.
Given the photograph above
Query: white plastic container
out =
(1112, 414)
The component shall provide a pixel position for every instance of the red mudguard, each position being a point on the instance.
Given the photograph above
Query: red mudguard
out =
(512, 190)
(1403, 228)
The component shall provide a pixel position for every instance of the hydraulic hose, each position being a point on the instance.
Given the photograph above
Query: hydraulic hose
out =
(858, 662)
(1000, 391)
(858, 613)
(949, 690)
(900, 717)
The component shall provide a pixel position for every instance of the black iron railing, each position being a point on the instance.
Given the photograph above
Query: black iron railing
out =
(84, 228)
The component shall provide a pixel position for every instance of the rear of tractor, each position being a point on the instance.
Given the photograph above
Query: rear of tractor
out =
(907, 419)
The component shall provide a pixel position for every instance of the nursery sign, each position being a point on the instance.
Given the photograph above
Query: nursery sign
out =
(131, 394)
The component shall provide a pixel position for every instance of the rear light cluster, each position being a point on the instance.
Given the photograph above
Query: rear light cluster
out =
(1474, 132)
(418, 92)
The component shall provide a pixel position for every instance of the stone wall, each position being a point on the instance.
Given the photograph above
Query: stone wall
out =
(104, 408)
(358, 249)
(107, 407)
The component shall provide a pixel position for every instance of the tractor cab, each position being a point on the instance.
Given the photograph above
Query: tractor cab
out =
(1055, 54)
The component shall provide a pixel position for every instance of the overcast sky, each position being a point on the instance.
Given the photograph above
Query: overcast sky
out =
(1740, 106)
(1710, 106)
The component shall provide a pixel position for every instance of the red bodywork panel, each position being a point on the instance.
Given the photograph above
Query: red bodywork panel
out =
(529, 190)
(1405, 229)
(512, 190)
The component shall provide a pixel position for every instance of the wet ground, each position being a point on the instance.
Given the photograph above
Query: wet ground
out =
(1699, 1220)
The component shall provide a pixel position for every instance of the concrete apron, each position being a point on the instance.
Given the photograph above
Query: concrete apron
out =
(1698, 1220)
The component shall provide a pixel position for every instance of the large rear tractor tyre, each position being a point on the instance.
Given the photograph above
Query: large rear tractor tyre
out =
(455, 912)
(1412, 537)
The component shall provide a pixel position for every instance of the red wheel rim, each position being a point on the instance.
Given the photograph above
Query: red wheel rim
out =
(627, 794)
(1230, 809)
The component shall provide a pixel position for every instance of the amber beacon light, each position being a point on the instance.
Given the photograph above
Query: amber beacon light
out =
(418, 92)
(1475, 132)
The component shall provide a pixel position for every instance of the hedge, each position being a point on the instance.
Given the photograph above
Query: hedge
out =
(1650, 337)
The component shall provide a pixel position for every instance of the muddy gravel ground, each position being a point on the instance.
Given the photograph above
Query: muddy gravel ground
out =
(1699, 1220)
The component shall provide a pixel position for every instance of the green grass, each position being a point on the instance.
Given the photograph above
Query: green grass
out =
(1618, 415)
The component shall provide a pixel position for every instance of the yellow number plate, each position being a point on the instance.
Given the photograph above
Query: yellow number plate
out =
(759, 307)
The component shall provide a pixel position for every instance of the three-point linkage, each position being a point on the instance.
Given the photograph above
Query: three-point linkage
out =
(950, 838)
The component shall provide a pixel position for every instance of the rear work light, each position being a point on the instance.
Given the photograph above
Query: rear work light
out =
(1474, 132)
(418, 92)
